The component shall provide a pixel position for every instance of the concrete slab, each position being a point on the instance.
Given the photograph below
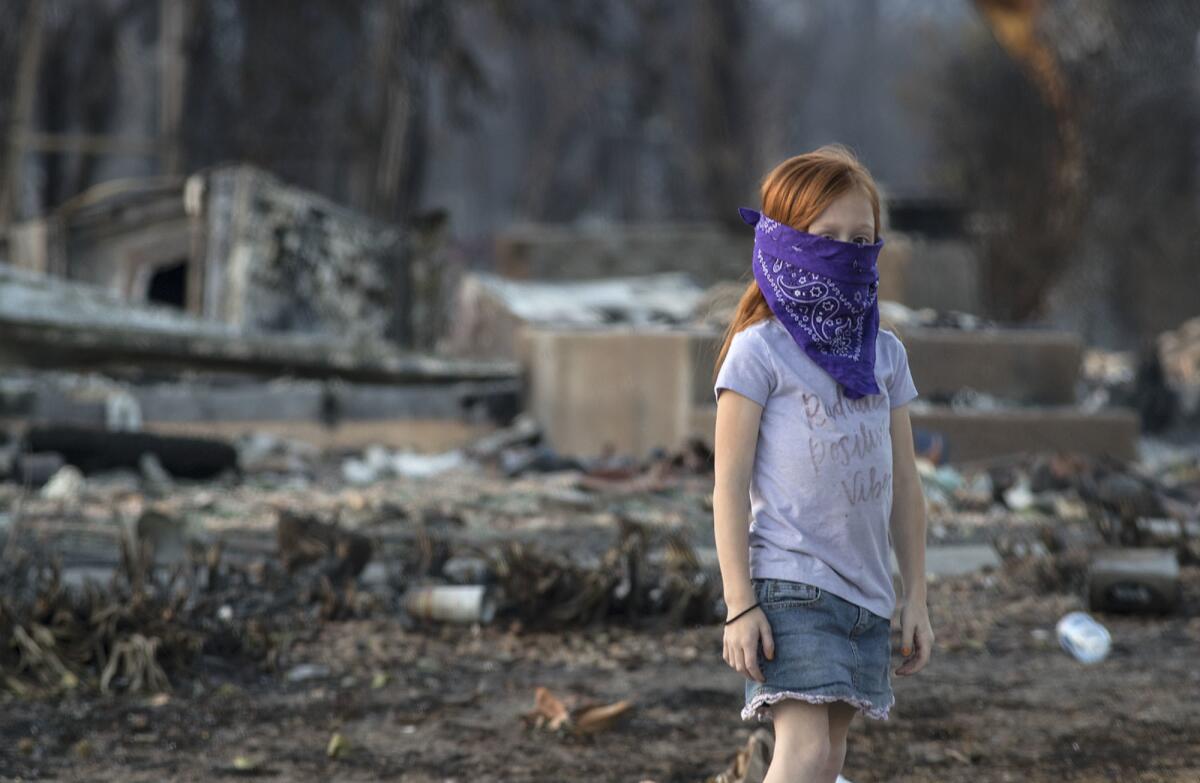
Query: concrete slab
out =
(981, 434)
(1029, 366)
(335, 415)
(620, 388)
(491, 308)
(420, 435)
(63, 324)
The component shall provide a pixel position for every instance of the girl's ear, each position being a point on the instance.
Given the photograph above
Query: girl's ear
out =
(749, 216)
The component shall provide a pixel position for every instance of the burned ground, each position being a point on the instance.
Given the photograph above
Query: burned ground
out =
(317, 675)
(999, 701)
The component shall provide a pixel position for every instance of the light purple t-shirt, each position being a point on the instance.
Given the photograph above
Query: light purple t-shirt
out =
(821, 488)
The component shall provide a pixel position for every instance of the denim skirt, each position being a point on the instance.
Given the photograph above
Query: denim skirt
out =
(826, 649)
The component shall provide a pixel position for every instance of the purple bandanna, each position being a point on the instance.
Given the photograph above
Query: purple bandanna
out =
(823, 291)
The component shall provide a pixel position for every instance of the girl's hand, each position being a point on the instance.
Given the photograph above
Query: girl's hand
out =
(741, 643)
(915, 631)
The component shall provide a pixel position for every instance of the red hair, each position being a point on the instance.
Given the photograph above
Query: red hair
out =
(795, 192)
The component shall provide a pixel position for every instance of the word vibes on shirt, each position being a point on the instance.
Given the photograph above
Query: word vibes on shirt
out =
(849, 448)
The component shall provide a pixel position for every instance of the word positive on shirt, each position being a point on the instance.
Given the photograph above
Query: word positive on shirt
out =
(849, 446)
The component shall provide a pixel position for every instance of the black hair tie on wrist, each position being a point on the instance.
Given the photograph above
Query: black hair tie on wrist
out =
(739, 614)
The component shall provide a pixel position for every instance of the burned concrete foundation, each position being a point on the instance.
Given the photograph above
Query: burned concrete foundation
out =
(1029, 366)
(49, 322)
(275, 258)
(636, 389)
(435, 412)
(237, 246)
(491, 309)
(618, 389)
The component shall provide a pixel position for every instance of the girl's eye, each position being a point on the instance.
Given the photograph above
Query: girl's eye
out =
(858, 240)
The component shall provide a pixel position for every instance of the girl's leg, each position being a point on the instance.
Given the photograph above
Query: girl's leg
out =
(840, 714)
(801, 752)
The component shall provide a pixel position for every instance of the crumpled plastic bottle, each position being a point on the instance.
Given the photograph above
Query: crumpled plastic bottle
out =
(1083, 637)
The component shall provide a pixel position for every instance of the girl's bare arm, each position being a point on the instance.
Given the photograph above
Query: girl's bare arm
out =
(908, 537)
(734, 443)
(908, 508)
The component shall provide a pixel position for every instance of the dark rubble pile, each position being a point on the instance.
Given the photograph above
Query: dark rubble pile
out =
(148, 627)
(1079, 508)
(1121, 498)
(547, 591)
(151, 627)
(648, 575)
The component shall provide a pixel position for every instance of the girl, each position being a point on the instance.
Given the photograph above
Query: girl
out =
(813, 443)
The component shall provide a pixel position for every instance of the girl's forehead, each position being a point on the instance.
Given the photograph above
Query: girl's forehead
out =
(853, 201)
(852, 208)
